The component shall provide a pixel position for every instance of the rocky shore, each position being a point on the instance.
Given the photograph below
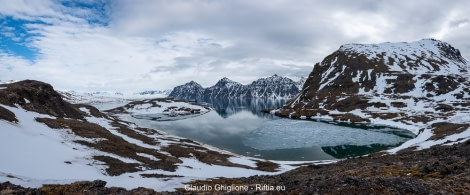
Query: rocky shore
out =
(438, 170)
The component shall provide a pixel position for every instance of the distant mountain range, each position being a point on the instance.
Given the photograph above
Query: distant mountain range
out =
(117, 94)
(275, 87)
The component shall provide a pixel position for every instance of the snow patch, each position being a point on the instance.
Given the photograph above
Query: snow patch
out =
(243, 161)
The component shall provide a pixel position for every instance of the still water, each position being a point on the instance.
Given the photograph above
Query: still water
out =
(239, 126)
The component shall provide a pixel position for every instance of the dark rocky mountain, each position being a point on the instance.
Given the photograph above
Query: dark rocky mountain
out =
(225, 88)
(188, 91)
(275, 87)
(412, 81)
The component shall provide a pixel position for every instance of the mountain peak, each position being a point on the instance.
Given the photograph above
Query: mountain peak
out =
(426, 56)
(361, 76)
(398, 47)
(226, 82)
(225, 79)
(428, 47)
(192, 83)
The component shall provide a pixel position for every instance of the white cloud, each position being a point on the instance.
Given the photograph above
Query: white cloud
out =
(138, 45)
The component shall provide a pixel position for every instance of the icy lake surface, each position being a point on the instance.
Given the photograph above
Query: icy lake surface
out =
(288, 133)
(240, 127)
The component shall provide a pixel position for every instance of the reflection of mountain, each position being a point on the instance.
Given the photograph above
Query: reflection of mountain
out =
(227, 107)
(345, 151)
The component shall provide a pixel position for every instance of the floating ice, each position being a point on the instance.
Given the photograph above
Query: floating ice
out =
(287, 133)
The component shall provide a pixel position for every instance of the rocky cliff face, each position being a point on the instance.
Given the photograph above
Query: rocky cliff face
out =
(273, 87)
(276, 87)
(416, 82)
(188, 91)
(225, 88)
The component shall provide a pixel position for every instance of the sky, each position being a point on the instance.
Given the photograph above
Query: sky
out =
(136, 45)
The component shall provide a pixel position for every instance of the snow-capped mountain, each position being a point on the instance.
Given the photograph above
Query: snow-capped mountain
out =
(271, 87)
(225, 88)
(301, 82)
(107, 96)
(188, 91)
(162, 93)
(420, 86)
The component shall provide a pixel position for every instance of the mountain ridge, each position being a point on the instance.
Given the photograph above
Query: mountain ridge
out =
(270, 87)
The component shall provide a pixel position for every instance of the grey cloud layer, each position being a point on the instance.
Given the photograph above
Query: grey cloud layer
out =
(160, 44)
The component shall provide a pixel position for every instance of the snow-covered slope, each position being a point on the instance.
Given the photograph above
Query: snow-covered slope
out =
(83, 98)
(272, 87)
(44, 139)
(421, 86)
(160, 109)
(151, 94)
(106, 96)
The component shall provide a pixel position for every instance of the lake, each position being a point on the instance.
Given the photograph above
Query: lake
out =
(240, 127)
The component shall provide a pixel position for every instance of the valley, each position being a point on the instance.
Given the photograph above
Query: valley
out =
(419, 86)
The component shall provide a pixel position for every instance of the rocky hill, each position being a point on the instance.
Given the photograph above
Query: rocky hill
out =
(275, 87)
(418, 86)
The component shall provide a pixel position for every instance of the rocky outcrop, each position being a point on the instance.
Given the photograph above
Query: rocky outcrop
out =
(38, 97)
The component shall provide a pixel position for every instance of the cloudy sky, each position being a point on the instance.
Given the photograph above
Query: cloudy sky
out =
(134, 45)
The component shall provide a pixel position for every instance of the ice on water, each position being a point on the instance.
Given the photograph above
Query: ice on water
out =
(288, 133)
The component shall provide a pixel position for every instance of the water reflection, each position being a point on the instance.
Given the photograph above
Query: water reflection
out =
(239, 126)
(344, 151)
(228, 107)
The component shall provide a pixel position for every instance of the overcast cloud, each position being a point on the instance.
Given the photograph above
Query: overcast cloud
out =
(133, 45)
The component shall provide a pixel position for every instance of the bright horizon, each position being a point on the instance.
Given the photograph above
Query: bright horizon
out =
(131, 46)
